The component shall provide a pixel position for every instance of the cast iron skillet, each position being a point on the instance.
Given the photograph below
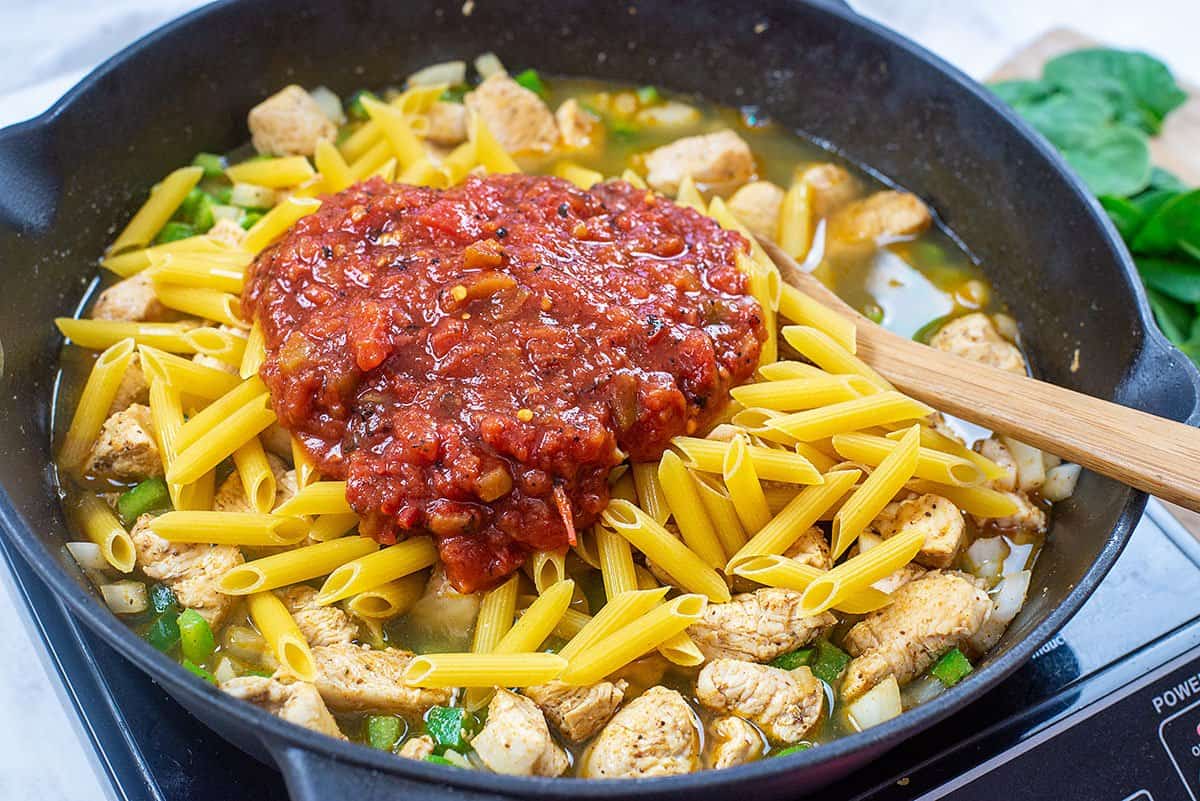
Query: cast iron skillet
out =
(72, 177)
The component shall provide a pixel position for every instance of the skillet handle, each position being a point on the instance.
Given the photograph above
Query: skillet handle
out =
(315, 777)
(1163, 381)
(31, 183)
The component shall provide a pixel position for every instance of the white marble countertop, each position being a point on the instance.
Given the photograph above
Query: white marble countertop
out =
(46, 47)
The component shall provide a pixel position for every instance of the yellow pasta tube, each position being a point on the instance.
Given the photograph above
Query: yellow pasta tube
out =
(306, 468)
(388, 600)
(327, 527)
(794, 394)
(797, 516)
(978, 501)
(209, 304)
(745, 491)
(258, 482)
(799, 308)
(631, 641)
(219, 410)
(570, 624)
(876, 492)
(933, 465)
(708, 455)
(688, 510)
(380, 567)
(229, 528)
(616, 563)
(618, 612)
(547, 568)
(279, 629)
(623, 488)
(360, 141)
(101, 526)
(92, 409)
(183, 269)
(633, 179)
(255, 353)
(787, 369)
(164, 199)
(819, 348)
(332, 167)
(166, 414)
(221, 441)
(722, 513)
(404, 143)
(582, 177)
(774, 570)
(795, 226)
(719, 211)
(135, 261)
(649, 491)
(227, 346)
(318, 498)
(538, 621)
(387, 170)
(681, 650)
(275, 173)
(779, 495)
(853, 415)
(482, 670)
(938, 441)
(661, 547)
(860, 571)
(495, 618)
(276, 221)
(488, 151)
(294, 566)
(458, 163)
(371, 159)
(585, 547)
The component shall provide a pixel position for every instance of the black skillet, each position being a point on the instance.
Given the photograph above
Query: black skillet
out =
(72, 176)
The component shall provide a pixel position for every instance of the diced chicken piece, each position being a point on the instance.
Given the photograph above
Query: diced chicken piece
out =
(898, 579)
(447, 124)
(354, 679)
(517, 117)
(297, 702)
(734, 742)
(812, 548)
(671, 114)
(1029, 517)
(832, 188)
(133, 388)
(230, 496)
(718, 162)
(578, 712)
(125, 450)
(320, 625)
(130, 300)
(190, 570)
(278, 440)
(576, 127)
(289, 123)
(784, 704)
(227, 231)
(756, 205)
(417, 747)
(516, 740)
(927, 617)
(443, 611)
(974, 336)
(883, 216)
(654, 735)
(214, 363)
(941, 522)
(757, 626)
(937, 421)
(642, 674)
(993, 448)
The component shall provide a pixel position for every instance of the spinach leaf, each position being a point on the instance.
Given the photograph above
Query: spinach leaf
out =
(1068, 121)
(1125, 214)
(1016, 93)
(1138, 85)
(1165, 179)
(1174, 227)
(1173, 317)
(1116, 161)
(1178, 279)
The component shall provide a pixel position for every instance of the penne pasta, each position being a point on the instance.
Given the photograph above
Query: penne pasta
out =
(279, 629)
(853, 415)
(380, 567)
(184, 375)
(616, 563)
(388, 600)
(688, 510)
(618, 612)
(932, 465)
(745, 491)
(585, 547)
(719, 211)
(135, 261)
(795, 228)
(318, 498)
(276, 221)
(547, 568)
(405, 145)
(306, 468)
(101, 526)
(166, 414)
(938, 441)
(488, 152)
(708, 455)
(649, 490)
(458, 163)
(764, 287)
(92, 410)
(794, 394)
(258, 482)
(875, 492)
(798, 307)
(821, 349)
(861, 571)
(633, 179)
(978, 501)
(784, 370)
(226, 346)
(255, 353)
(722, 513)
(220, 409)
(221, 440)
(371, 159)
(274, 173)
(681, 650)
(482, 670)
(538, 620)
(360, 141)
(328, 527)
(775, 570)
(229, 528)
(496, 612)
(294, 566)
(209, 304)
(185, 270)
(623, 487)
(164, 199)
(582, 177)
(332, 166)
(688, 195)
(686, 568)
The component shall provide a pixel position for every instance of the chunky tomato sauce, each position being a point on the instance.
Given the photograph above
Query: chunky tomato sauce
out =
(474, 361)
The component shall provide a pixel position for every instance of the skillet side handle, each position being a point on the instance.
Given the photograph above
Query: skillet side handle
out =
(27, 173)
(1164, 382)
(315, 777)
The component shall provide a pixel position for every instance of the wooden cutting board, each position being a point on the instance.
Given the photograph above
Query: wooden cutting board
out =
(1176, 148)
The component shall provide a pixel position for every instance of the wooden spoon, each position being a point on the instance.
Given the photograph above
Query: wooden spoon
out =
(1146, 452)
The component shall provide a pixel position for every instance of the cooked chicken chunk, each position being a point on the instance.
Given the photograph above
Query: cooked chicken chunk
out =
(654, 735)
(576, 127)
(993, 448)
(719, 162)
(832, 188)
(278, 440)
(289, 123)
(812, 549)
(898, 579)
(356, 679)
(1029, 516)
(734, 742)
(578, 712)
(320, 625)
(517, 117)
(757, 626)
(784, 704)
(756, 205)
(133, 388)
(938, 519)
(927, 617)
(974, 336)
(125, 450)
(447, 124)
(443, 611)
(884, 216)
(231, 498)
(130, 300)
(190, 570)
(417, 747)
(297, 702)
(516, 740)
(227, 231)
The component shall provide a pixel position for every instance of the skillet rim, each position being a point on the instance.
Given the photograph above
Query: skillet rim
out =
(278, 736)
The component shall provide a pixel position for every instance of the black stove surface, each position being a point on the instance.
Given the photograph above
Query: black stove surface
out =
(1107, 710)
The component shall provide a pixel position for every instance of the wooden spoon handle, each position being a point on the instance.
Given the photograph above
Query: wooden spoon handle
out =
(1146, 452)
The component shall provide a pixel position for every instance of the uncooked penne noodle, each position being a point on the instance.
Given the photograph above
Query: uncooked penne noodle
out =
(774, 570)
(794, 394)
(785, 370)
(371, 159)
(795, 228)
(662, 548)
(388, 600)
(184, 375)
(876, 492)
(708, 456)
(688, 510)
(649, 490)
(689, 195)
(386, 171)
(102, 527)
(318, 498)
(764, 287)
(745, 489)
(254, 471)
(134, 261)
(940, 442)
(861, 571)
(276, 221)
(495, 617)
(722, 512)
(186, 270)
(681, 650)
(819, 348)
(279, 629)
(101, 334)
(166, 414)
(618, 612)
(582, 177)
(405, 145)
(332, 167)
(547, 568)
(294, 566)
(854, 415)
(255, 353)
(229, 528)
(220, 409)
(92, 410)
(360, 141)
(798, 307)
(275, 173)
(978, 501)
(719, 211)
(585, 547)
(622, 488)
(616, 562)
(933, 465)
(164, 199)
(488, 152)
(328, 527)
(380, 567)
(482, 670)
(306, 468)
(538, 621)
(222, 344)
(222, 440)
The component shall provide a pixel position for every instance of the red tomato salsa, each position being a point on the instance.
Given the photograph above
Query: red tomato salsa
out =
(474, 361)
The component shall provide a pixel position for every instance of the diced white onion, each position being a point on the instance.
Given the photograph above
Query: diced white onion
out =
(88, 555)
(246, 644)
(225, 670)
(987, 549)
(252, 196)
(448, 72)
(125, 597)
(226, 213)
(1060, 482)
(1006, 326)
(457, 759)
(921, 690)
(1050, 460)
(330, 103)
(669, 115)
(488, 65)
(1007, 598)
(877, 705)
(1031, 470)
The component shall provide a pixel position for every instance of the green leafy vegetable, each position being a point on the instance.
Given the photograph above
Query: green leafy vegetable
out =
(1139, 86)
(1178, 279)
(531, 81)
(793, 659)
(1172, 227)
(445, 725)
(952, 668)
(1022, 92)
(383, 731)
(150, 495)
(195, 636)
(1115, 161)
(828, 661)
